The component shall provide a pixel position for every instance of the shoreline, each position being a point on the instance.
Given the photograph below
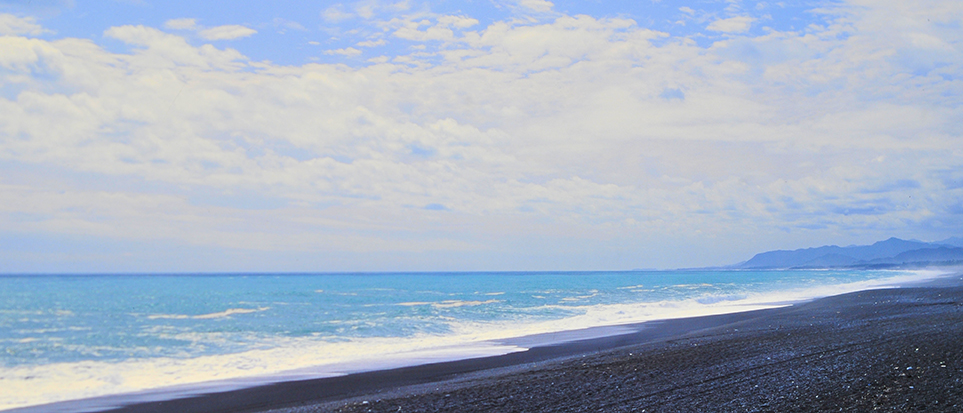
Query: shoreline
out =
(336, 393)
(895, 349)
(541, 348)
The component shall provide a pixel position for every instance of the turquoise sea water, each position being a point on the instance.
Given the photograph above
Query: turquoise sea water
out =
(66, 337)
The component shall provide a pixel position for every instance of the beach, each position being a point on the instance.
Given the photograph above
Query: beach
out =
(472, 205)
(888, 349)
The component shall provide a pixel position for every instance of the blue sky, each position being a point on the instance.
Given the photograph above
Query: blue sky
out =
(471, 135)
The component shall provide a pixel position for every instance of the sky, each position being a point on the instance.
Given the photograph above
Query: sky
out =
(471, 135)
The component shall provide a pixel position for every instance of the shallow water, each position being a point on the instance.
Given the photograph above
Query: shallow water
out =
(67, 337)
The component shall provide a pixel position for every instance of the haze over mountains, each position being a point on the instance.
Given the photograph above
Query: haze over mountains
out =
(893, 252)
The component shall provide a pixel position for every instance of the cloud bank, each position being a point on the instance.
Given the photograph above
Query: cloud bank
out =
(227, 32)
(560, 142)
(11, 25)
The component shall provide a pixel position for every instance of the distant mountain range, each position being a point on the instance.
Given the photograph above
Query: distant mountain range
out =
(893, 252)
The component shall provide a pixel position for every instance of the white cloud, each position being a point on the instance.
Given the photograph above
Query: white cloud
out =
(348, 51)
(288, 24)
(227, 32)
(11, 25)
(537, 5)
(411, 30)
(400, 6)
(165, 50)
(365, 10)
(739, 24)
(371, 43)
(181, 24)
(336, 14)
(522, 131)
(460, 22)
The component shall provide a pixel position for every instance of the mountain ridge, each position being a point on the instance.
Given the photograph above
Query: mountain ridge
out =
(892, 252)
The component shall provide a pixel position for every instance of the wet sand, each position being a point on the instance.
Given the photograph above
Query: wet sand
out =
(884, 350)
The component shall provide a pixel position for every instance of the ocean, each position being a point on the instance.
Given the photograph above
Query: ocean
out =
(69, 337)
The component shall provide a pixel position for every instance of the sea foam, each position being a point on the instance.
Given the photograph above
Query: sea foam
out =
(273, 357)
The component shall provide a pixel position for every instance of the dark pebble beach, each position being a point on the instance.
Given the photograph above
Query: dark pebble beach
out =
(881, 350)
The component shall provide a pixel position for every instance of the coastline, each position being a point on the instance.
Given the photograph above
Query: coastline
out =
(898, 349)
(458, 385)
